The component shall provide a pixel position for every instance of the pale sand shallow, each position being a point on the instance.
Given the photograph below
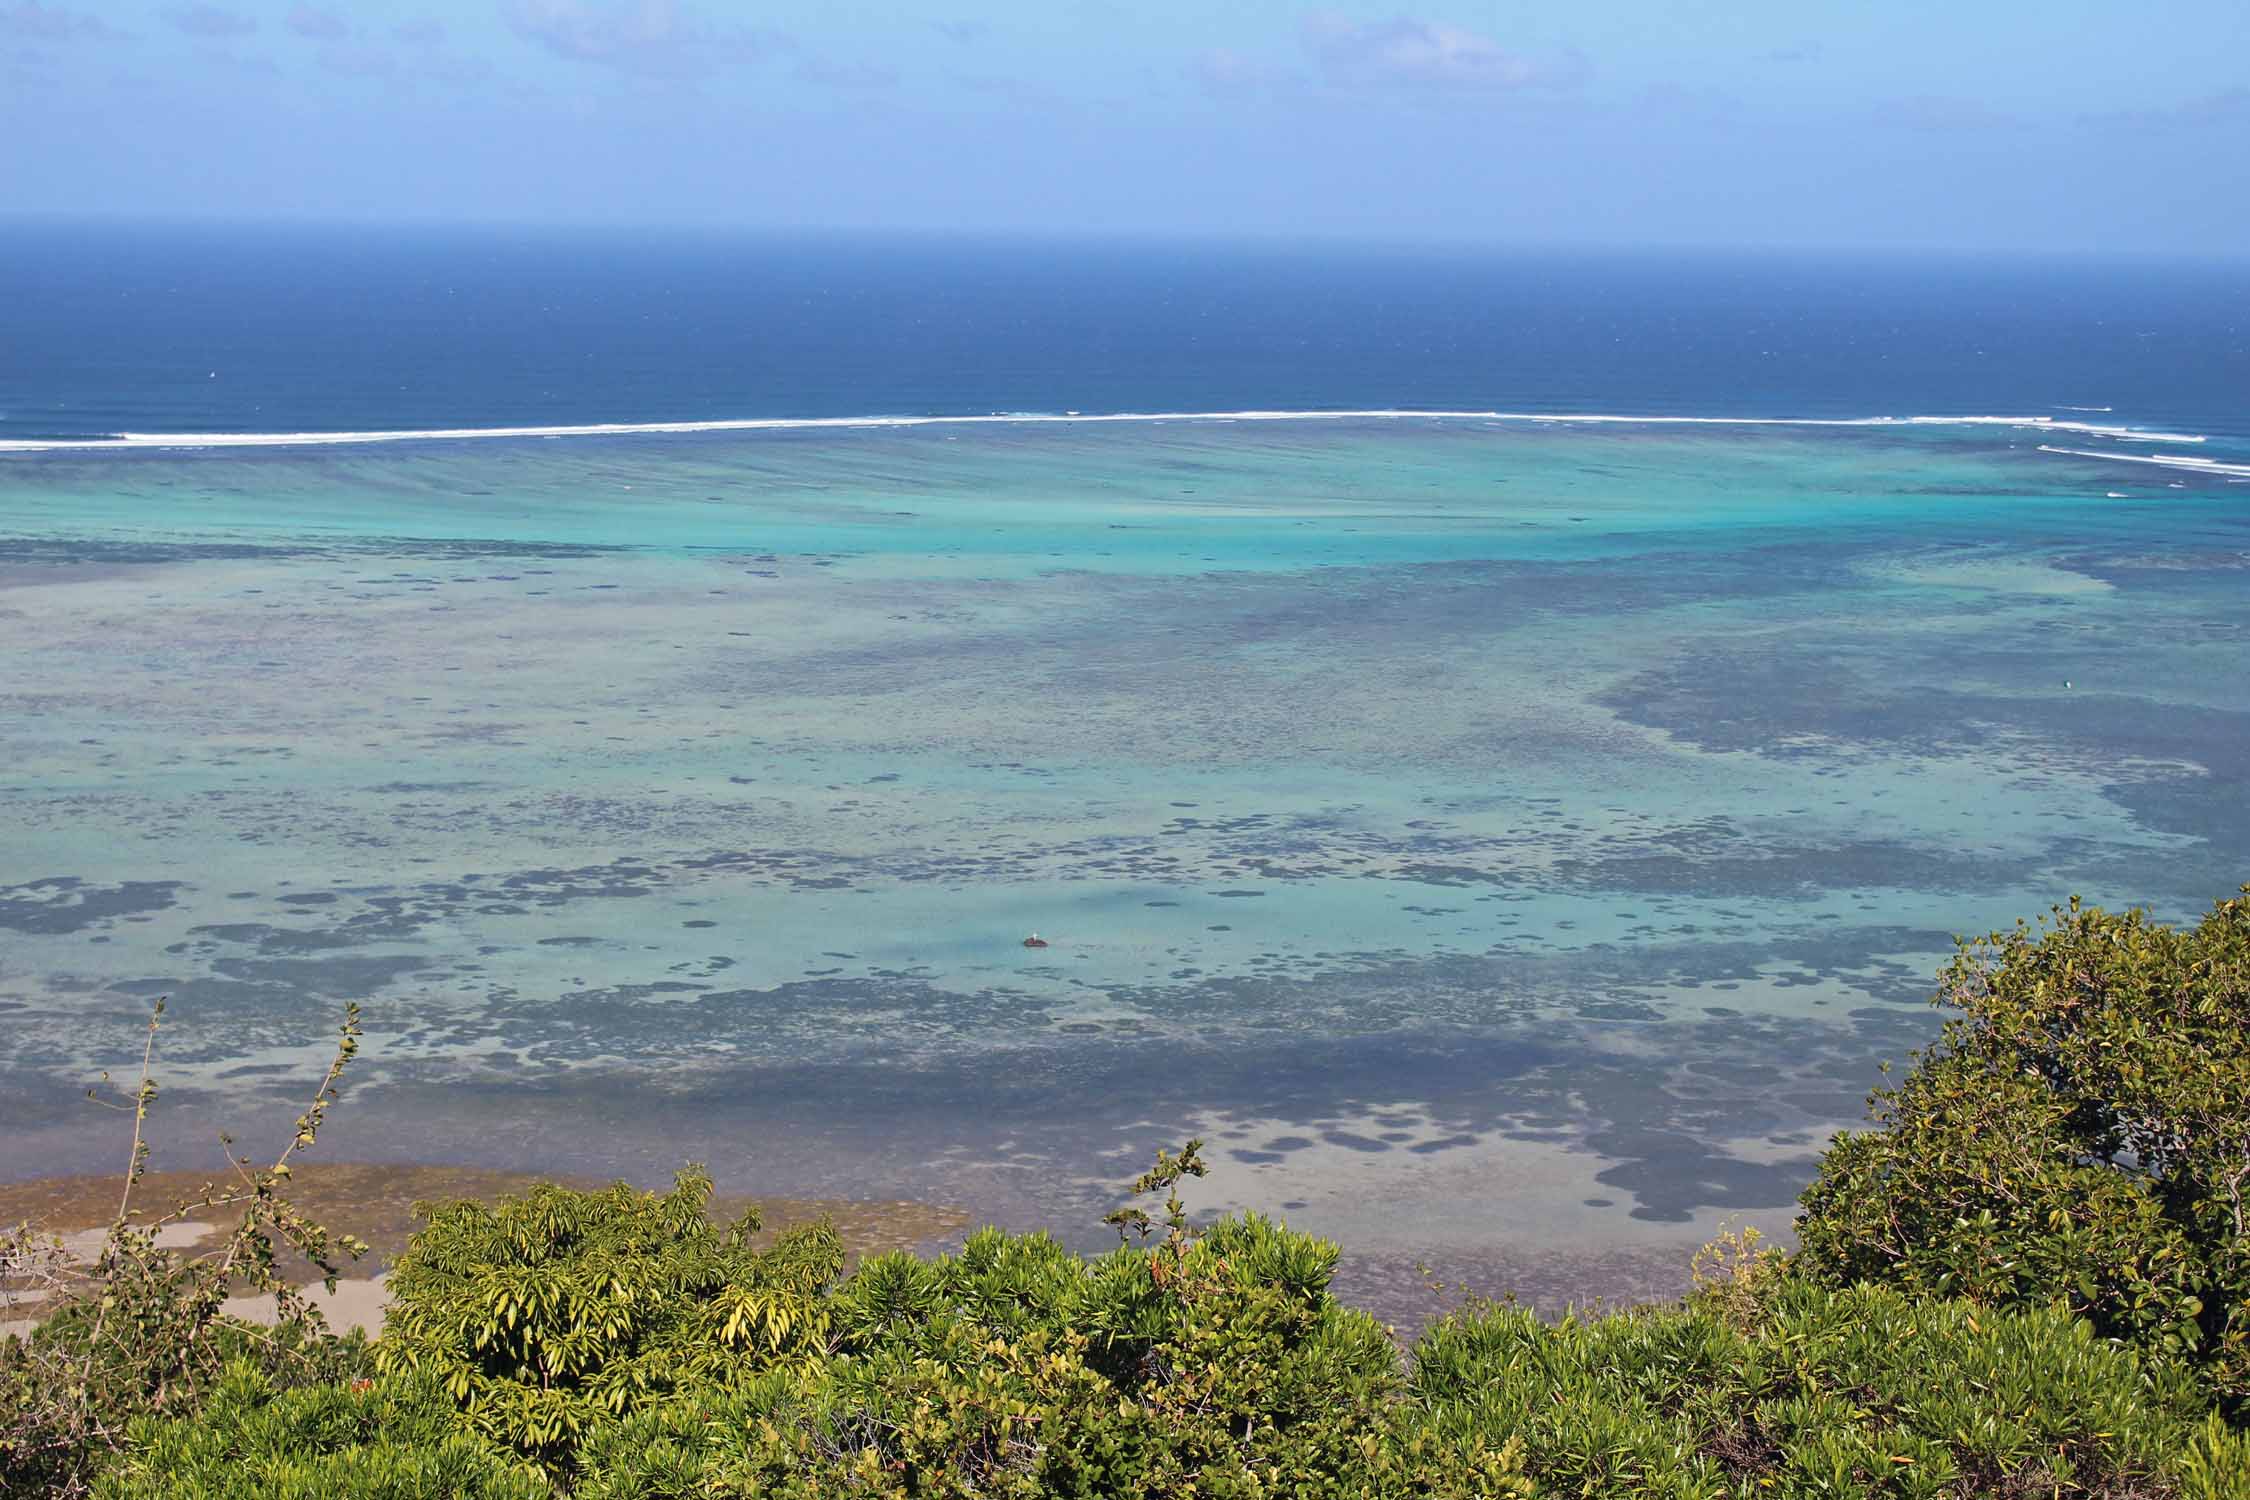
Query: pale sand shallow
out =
(1504, 1217)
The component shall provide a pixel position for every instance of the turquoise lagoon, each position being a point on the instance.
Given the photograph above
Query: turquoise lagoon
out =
(1503, 840)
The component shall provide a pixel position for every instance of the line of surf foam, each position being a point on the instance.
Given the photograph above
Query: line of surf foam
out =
(2183, 461)
(132, 440)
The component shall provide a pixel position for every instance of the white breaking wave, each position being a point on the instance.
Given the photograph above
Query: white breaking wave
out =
(2164, 460)
(800, 424)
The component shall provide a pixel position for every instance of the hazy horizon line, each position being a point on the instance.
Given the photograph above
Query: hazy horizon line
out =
(1262, 240)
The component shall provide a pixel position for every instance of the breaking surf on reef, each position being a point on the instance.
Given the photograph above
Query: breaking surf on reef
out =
(807, 424)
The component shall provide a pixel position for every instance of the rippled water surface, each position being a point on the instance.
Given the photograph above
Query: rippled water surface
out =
(1494, 836)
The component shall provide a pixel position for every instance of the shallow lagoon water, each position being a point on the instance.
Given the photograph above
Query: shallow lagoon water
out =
(1509, 843)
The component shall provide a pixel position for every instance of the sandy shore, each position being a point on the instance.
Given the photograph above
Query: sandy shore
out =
(376, 1202)
(1480, 1250)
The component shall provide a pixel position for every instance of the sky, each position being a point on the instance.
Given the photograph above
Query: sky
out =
(2067, 126)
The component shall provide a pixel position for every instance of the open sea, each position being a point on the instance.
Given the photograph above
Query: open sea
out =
(1513, 839)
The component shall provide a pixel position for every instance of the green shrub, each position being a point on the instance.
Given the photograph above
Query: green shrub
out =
(1820, 1394)
(2081, 1134)
(392, 1439)
(1824, 1393)
(1215, 1364)
(547, 1313)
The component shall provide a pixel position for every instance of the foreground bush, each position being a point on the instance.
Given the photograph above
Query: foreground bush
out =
(1213, 1364)
(1237, 1384)
(358, 1440)
(547, 1313)
(2080, 1135)
(1825, 1393)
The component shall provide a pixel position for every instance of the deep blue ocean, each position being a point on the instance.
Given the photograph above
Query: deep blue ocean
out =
(170, 329)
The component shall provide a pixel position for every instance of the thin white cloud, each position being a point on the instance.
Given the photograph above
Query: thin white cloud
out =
(1405, 52)
(210, 21)
(33, 21)
(317, 24)
(1230, 74)
(653, 38)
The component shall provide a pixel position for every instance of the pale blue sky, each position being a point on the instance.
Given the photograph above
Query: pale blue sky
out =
(2067, 125)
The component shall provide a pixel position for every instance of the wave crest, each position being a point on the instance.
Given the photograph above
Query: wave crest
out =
(132, 440)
